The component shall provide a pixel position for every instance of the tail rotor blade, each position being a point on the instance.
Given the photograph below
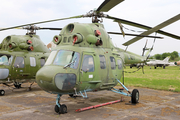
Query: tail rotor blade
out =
(144, 47)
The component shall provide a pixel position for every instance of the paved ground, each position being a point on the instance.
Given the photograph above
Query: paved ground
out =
(21, 104)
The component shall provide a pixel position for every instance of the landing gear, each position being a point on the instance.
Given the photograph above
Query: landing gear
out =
(135, 96)
(29, 89)
(61, 109)
(17, 85)
(2, 92)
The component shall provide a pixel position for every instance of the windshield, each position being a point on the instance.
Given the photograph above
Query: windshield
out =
(67, 58)
(5, 59)
(50, 58)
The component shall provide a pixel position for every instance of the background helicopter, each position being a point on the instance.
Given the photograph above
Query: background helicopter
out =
(21, 56)
(85, 49)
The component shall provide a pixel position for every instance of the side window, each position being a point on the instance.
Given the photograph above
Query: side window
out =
(102, 61)
(88, 63)
(42, 61)
(113, 63)
(119, 62)
(19, 62)
(32, 62)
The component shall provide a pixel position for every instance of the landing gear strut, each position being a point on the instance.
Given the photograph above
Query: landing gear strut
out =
(30, 86)
(134, 95)
(61, 109)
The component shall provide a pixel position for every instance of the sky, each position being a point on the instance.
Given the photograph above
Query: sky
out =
(146, 12)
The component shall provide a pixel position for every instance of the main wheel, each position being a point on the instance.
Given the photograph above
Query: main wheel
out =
(135, 96)
(2, 92)
(56, 109)
(63, 109)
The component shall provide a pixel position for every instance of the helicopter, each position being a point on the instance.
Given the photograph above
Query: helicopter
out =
(85, 59)
(21, 56)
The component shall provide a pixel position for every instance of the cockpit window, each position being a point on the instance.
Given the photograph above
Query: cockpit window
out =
(5, 59)
(67, 58)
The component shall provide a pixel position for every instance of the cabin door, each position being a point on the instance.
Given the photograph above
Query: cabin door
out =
(119, 68)
(88, 69)
(19, 68)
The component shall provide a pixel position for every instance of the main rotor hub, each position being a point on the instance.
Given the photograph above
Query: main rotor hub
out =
(95, 15)
(31, 29)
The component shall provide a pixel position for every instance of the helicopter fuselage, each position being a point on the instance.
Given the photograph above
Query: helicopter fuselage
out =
(84, 59)
(20, 66)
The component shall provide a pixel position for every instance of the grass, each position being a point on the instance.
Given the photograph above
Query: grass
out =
(160, 79)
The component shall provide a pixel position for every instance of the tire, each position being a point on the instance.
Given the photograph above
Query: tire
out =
(63, 109)
(2, 92)
(56, 109)
(135, 96)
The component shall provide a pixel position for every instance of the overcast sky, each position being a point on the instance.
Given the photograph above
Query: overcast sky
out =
(147, 12)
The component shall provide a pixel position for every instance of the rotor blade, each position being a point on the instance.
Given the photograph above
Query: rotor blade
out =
(121, 28)
(143, 26)
(46, 28)
(116, 33)
(108, 4)
(164, 24)
(41, 22)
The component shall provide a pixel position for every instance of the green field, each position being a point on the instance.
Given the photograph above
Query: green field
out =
(161, 79)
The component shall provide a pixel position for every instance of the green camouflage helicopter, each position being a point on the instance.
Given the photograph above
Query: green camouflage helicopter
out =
(21, 56)
(86, 60)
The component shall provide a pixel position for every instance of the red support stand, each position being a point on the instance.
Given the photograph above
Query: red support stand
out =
(95, 106)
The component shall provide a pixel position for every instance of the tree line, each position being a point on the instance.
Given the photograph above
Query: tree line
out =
(174, 56)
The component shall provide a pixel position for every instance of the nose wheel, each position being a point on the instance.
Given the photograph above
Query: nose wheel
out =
(60, 109)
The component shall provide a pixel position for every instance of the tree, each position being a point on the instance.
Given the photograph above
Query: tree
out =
(174, 54)
(164, 55)
(157, 56)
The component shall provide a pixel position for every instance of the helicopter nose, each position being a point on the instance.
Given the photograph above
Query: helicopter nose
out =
(4, 73)
(55, 82)
(44, 77)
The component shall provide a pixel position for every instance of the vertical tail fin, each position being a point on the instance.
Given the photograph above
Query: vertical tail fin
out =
(166, 59)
